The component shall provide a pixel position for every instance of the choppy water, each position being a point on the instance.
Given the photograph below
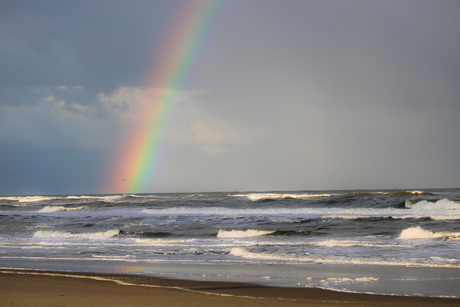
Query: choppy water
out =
(416, 229)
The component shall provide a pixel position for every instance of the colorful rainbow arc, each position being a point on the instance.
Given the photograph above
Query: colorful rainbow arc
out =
(134, 165)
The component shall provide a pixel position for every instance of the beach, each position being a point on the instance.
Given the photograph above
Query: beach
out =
(39, 288)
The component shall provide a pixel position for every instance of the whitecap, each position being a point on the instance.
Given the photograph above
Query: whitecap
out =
(444, 205)
(28, 199)
(63, 234)
(49, 209)
(418, 233)
(264, 196)
(243, 233)
(108, 198)
(439, 210)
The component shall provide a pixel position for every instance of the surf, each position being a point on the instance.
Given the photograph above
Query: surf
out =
(248, 233)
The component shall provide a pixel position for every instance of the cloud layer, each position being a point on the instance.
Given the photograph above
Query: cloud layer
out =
(283, 95)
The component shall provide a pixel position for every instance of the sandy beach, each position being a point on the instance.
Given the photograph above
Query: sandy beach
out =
(38, 288)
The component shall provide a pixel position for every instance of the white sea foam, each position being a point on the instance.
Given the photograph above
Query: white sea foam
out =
(62, 234)
(34, 199)
(163, 242)
(443, 209)
(413, 192)
(262, 196)
(257, 256)
(366, 279)
(440, 210)
(348, 243)
(109, 198)
(347, 280)
(242, 233)
(28, 199)
(442, 204)
(418, 233)
(245, 253)
(111, 257)
(416, 192)
(49, 209)
(270, 211)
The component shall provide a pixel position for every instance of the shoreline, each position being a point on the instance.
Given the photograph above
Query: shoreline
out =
(42, 288)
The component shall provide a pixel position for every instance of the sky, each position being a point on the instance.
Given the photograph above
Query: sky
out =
(282, 95)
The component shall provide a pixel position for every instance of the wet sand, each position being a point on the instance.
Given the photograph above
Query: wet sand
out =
(38, 288)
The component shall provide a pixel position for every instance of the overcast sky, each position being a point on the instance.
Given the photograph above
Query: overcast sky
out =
(284, 95)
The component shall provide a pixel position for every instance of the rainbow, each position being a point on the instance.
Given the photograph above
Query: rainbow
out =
(134, 165)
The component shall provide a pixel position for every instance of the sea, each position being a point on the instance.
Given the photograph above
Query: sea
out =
(394, 242)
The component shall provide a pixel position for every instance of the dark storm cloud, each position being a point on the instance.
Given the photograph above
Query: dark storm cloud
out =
(100, 45)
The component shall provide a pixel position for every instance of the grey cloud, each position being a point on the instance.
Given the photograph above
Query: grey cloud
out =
(291, 94)
(100, 46)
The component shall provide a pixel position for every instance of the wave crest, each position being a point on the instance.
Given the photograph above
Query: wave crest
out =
(418, 233)
(243, 233)
(273, 196)
(49, 209)
(62, 234)
(28, 199)
(442, 204)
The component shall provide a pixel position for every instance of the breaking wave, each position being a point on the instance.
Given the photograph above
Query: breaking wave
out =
(274, 196)
(109, 198)
(62, 234)
(49, 209)
(391, 193)
(28, 199)
(243, 233)
(441, 210)
(442, 204)
(418, 233)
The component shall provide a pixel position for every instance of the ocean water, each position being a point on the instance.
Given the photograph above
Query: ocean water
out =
(385, 241)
